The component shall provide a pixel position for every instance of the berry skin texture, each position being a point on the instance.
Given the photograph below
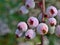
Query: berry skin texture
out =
(30, 4)
(40, 17)
(18, 33)
(23, 10)
(52, 29)
(30, 34)
(42, 29)
(52, 21)
(32, 22)
(57, 31)
(58, 16)
(51, 11)
(22, 26)
(29, 0)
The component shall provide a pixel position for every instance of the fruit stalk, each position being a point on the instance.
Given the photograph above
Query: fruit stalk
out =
(43, 12)
(43, 6)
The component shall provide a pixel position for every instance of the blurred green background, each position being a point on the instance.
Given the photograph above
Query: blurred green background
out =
(10, 19)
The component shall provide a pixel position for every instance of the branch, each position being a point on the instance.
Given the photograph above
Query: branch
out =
(43, 6)
(43, 12)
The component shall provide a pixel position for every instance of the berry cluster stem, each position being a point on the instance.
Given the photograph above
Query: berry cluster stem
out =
(43, 6)
(43, 12)
(41, 40)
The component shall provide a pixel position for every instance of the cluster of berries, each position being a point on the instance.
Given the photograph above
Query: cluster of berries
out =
(53, 24)
(29, 28)
(28, 4)
(34, 24)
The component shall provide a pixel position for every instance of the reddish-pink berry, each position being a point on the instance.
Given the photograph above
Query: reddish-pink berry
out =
(33, 22)
(30, 4)
(22, 26)
(30, 34)
(18, 33)
(23, 10)
(57, 32)
(51, 11)
(42, 29)
(52, 21)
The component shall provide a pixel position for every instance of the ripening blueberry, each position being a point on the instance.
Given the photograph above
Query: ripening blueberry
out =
(18, 33)
(51, 11)
(29, 0)
(42, 29)
(41, 16)
(22, 26)
(52, 29)
(52, 21)
(58, 16)
(57, 31)
(30, 4)
(23, 10)
(30, 34)
(32, 22)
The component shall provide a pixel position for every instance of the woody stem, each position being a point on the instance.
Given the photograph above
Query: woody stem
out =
(43, 9)
(43, 12)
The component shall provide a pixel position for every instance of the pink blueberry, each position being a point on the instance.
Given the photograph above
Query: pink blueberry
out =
(58, 16)
(52, 21)
(41, 16)
(18, 33)
(30, 4)
(32, 22)
(42, 29)
(30, 34)
(22, 26)
(23, 10)
(57, 31)
(52, 29)
(29, 0)
(51, 11)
